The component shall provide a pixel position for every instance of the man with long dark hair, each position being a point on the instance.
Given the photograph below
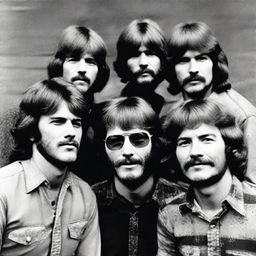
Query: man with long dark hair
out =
(141, 59)
(198, 68)
(216, 216)
(44, 208)
(80, 58)
(128, 134)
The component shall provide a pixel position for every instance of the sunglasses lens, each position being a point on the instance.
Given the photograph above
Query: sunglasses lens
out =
(139, 140)
(115, 142)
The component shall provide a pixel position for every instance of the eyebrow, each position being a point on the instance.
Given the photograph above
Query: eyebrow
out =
(64, 118)
(200, 136)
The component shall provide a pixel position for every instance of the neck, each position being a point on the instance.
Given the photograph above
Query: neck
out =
(54, 174)
(210, 198)
(136, 195)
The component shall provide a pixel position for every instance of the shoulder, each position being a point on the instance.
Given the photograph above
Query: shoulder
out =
(249, 190)
(11, 170)
(103, 191)
(234, 101)
(83, 186)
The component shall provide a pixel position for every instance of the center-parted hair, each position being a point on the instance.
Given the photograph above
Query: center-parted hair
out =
(196, 36)
(138, 32)
(194, 113)
(43, 98)
(77, 41)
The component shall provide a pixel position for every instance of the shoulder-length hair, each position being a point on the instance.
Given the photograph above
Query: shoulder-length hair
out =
(197, 36)
(43, 98)
(76, 41)
(194, 113)
(138, 32)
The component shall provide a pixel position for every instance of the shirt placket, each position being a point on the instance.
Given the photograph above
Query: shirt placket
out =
(56, 232)
(133, 234)
(213, 238)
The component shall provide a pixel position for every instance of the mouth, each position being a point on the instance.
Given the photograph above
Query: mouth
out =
(81, 82)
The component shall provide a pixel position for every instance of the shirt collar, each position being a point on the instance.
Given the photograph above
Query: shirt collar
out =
(34, 177)
(160, 193)
(235, 199)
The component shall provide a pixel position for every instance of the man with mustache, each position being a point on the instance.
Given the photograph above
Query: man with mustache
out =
(128, 134)
(141, 59)
(44, 208)
(216, 216)
(80, 58)
(198, 68)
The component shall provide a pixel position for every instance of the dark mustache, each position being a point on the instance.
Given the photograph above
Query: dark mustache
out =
(82, 78)
(71, 143)
(193, 78)
(146, 70)
(197, 161)
(128, 161)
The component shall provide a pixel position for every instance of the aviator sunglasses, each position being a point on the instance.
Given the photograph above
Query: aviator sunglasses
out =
(137, 139)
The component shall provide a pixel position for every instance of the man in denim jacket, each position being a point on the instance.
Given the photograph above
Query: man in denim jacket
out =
(44, 208)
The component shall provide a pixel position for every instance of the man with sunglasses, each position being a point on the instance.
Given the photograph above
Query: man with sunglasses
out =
(128, 132)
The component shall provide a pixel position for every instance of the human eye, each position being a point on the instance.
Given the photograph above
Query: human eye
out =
(71, 59)
(91, 61)
(77, 123)
(58, 121)
(150, 53)
(207, 139)
(183, 143)
(183, 60)
(202, 57)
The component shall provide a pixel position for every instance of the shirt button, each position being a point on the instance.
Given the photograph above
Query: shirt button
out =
(212, 226)
(28, 239)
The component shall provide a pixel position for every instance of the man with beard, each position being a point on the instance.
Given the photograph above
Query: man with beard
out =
(44, 208)
(216, 216)
(128, 133)
(141, 59)
(198, 68)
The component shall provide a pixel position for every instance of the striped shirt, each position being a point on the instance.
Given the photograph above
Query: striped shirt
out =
(183, 229)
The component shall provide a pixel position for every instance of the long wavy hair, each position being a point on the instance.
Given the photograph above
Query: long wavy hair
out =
(76, 41)
(194, 113)
(146, 32)
(43, 98)
(196, 36)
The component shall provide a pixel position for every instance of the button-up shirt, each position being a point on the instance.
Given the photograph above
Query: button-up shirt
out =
(32, 224)
(183, 228)
(126, 229)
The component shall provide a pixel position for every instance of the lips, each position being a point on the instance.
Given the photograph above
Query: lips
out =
(72, 144)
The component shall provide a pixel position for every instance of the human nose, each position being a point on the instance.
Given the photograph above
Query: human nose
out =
(193, 67)
(82, 67)
(143, 60)
(127, 148)
(69, 130)
(195, 149)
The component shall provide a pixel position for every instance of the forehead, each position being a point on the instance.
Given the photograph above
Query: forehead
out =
(202, 130)
(118, 131)
(61, 112)
(192, 53)
(142, 48)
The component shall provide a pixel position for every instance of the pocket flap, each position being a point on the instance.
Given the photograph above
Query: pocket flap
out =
(29, 235)
(76, 229)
